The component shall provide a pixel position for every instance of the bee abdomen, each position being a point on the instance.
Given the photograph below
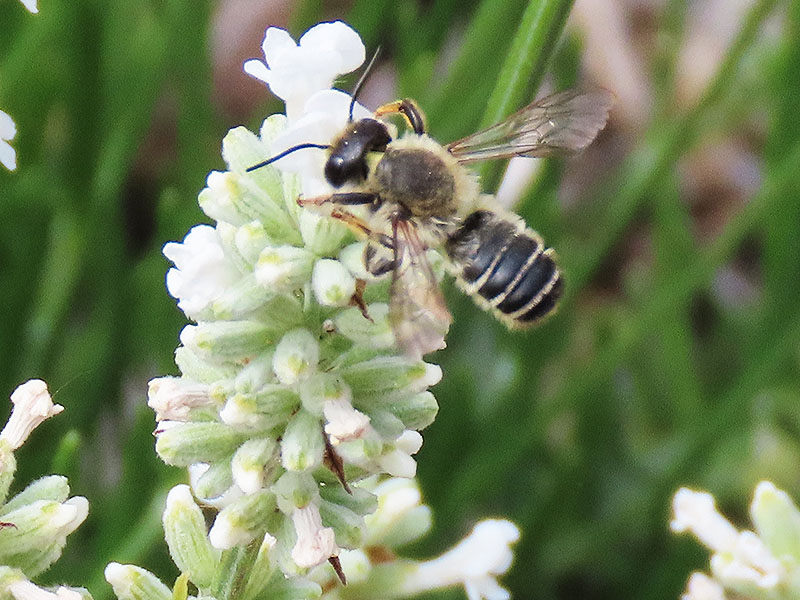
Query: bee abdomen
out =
(506, 268)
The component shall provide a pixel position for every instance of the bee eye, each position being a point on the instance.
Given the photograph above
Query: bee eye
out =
(334, 171)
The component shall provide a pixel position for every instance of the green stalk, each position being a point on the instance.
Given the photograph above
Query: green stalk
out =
(524, 68)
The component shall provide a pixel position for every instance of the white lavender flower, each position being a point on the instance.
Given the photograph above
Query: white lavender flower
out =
(38, 519)
(30, 5)
(760, 564)
(295, 71)
(32, 406)
(287, 391)
(8, 130)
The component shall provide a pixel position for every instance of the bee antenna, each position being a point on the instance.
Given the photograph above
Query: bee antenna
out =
(361, 81)
(285, 152)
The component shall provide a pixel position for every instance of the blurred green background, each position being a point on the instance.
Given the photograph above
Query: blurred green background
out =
(673, 360)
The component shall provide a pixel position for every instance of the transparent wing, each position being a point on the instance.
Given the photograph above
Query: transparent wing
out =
(417, 310)
(559, 124)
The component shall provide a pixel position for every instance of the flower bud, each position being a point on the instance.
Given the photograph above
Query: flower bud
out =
(355, 565)
(242, 149)
(296, 356)
(134, 583)
(238, 199)
(295, 490)
(372, 334)
(283, 268)
(185, 532)
(25, 590)
(227, 340)
(54, 488)
(415, 412)
(322, 235)
(347, 525)
(213, 484)
(777, 521)
(40, 532)
(302, 445)
(271, 406)
(253, 462)
(250, 240)
(185, 443)
(333, 285)
(242, 520)
(202, 368)
(390, 376)
(321, 388)
(240, 300)
(173, 398)
(32, 405)
(262, 570)
(398, 462)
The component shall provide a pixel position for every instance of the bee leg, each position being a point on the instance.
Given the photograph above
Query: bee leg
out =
(375, 263)
(345, 199)
(358, 299)
(408, 109)
(334, 462)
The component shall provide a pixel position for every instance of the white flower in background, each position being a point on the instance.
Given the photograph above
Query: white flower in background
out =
(697, 512)
(30, 5)
(702, 587)
(760, 564)
(202, 270)
(475, 563)
(295, 71)
(7, 132)
(32, 405)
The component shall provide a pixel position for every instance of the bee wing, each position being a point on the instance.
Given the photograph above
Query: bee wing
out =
(417, 309)
(559, 124)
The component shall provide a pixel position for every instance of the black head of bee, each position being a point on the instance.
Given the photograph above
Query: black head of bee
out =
(347, 162)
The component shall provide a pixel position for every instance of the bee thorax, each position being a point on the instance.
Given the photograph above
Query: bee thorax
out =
(418, 180)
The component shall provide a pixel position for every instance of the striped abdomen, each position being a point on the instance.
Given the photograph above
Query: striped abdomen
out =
(505, 267)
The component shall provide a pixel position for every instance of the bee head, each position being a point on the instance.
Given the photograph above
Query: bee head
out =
(347, 162)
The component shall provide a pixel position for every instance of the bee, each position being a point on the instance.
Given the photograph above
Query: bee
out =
(408, 194)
